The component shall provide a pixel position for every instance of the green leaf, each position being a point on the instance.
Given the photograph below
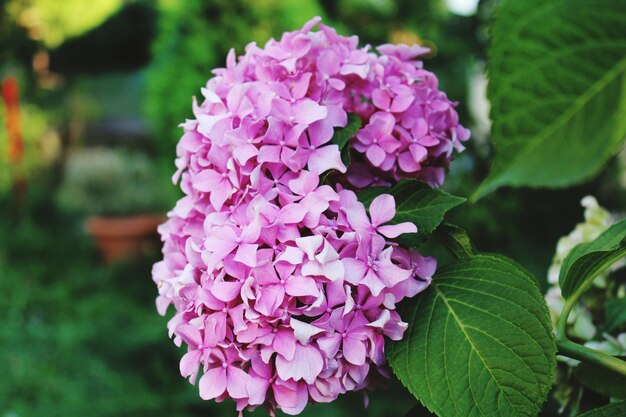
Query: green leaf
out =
(343, 135)
(479, 341)
(341, 138)
(614, 314)
(455, 240)
(417, 203)
(583, 264)
(557, 83)
(601, 380)
(611, 410)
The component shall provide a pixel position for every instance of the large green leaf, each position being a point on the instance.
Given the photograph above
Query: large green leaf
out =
(614, 314)
(417, 203)
(583, 264)
(602, 380)
(557, 89)
(479, 341)
(611, 410)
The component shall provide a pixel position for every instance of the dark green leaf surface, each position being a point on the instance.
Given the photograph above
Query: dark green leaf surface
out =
(417, 203)
(557, 89)
(612, 410)
(614, 314)
(479, 341)
(587, 260)
(342, 136)
(601, 380)
(455, 240)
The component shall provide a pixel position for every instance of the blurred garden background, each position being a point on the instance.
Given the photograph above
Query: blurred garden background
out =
(93, 92)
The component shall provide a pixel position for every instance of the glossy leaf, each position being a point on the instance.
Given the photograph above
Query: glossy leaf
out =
(587, 260)
(557, 86)
(455, 240)
(479, 341)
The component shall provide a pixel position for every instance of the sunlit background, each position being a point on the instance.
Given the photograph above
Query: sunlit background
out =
(93, 92)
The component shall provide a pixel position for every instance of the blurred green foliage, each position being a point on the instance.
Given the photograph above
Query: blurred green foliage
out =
(113, 182)
(40, 142)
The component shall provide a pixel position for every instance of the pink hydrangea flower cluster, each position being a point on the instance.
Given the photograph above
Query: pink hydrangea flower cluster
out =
(412, 130)
(284, 288)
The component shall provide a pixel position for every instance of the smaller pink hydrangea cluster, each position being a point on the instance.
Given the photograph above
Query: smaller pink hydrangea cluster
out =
(412, 128)
(284, 287)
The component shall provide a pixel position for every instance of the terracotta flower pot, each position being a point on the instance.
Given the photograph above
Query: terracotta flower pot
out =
(124, 237)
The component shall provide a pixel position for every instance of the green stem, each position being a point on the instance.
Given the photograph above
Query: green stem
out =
(561, 326)
(583, 353)
(574, 350)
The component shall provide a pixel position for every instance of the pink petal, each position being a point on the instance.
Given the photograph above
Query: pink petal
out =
(329, 344)
(337, 84)
(305, 183)
(220, 194)
(376, 155)
(243, 152)
(418, 152)
(354, 351)
(257, 390)
(291, 398)
(308, 111)
(213, 383)
(301, 287)
(420, 128)
(382, 209)
(326, 158)
(190, 334)
(306, 364)
(381, 99)
(310, 244)
(355, 270)
(304, 331)
(394, 230)
(291, 255)
(301, 401)
(333, 270)
(190, 362)
(237, 380)
(246, 254)
(269, 153)
(270, 299)
(206, 123)
(372, 282)
(407, 163)
(207, 180)
(285, 344)
(226, 291)
(401, 103)
(328, 63)
(391, 275)
(301, 86)
(401, 51)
